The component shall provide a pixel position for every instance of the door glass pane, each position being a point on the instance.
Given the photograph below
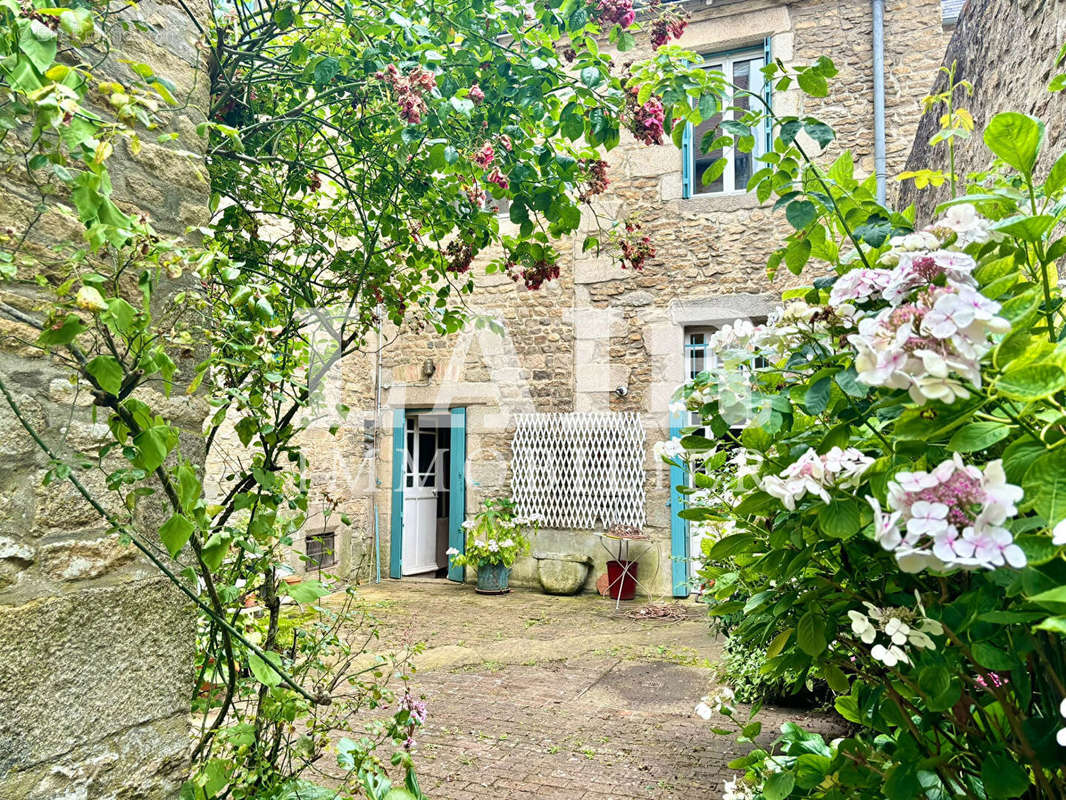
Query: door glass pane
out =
(427, 453)
(408, 470)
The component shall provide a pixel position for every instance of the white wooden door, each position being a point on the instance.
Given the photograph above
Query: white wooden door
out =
(421, 476)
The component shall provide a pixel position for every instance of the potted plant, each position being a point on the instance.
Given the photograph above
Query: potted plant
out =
(495, 538)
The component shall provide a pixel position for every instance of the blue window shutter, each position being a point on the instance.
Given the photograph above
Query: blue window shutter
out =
(679, 554)
(686, 161)
(768, 93)
(399, 454)
(457, 489)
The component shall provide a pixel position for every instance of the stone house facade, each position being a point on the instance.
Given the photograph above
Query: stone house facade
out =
(600, 339)
(96, 646)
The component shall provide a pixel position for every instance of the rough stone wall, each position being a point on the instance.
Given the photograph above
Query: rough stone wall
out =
(1006, 49)
(95, 646)
(569, 346)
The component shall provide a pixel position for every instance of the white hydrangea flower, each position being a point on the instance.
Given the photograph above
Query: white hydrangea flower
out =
(862, 627)
(1058, 535)
(969, 226)
(668, 449)
(738, 789)
(1060, 737)
(720, 700)
(889, 656)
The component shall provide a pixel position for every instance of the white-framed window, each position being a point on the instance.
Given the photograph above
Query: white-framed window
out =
(742, 68)
(699, 357)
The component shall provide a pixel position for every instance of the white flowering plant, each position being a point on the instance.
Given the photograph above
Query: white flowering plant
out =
(898, 526)
(495, 535)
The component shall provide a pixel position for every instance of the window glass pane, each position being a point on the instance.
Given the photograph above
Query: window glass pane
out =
(701, 160)
(743, 71)
(742, 162)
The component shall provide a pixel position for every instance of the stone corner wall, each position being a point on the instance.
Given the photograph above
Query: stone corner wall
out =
(1006, 49)
(96, 647)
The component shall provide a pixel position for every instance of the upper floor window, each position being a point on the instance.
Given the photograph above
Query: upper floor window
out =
(742, 68)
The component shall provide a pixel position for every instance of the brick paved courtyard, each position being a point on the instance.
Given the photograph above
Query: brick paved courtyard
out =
(557, 698)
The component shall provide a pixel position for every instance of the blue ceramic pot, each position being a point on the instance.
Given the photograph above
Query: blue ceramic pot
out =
(492, 578)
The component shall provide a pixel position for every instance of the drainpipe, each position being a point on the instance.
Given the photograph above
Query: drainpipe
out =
(879, 96)
(374, 461)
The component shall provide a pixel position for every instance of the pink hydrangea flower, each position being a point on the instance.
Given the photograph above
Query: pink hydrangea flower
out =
(950, 517)
(814, 474)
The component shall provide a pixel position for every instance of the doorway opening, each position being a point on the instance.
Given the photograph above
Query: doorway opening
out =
(427, 494)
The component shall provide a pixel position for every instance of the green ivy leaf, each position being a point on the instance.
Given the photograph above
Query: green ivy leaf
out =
(801, 213)
(1032, 382)
(175, 533)
(810, 634)
(262, 671)
(304, 591)
(978, 436)
(1015, 138)
(1003, 777)
(107, 372)
(778, 786)
(840, 519)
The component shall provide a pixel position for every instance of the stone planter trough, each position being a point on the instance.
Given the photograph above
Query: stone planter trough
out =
(562, 573)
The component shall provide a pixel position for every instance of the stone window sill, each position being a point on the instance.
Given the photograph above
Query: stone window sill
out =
(734, 201)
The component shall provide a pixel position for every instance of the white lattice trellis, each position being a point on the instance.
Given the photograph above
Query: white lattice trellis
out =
(580, 471)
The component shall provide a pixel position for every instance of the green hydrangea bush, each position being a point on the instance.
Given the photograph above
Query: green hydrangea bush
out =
(887, 504)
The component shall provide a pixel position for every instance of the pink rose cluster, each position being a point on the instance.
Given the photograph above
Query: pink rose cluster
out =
(616, 11)
(951, 517)
(484, 157)
(646, 121)
(667, 27)
(410, 90)
(814, 474)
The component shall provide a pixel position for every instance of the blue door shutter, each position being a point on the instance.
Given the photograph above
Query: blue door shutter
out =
(679, 554)
(686, 161)
(457, 489)
(399, 453)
